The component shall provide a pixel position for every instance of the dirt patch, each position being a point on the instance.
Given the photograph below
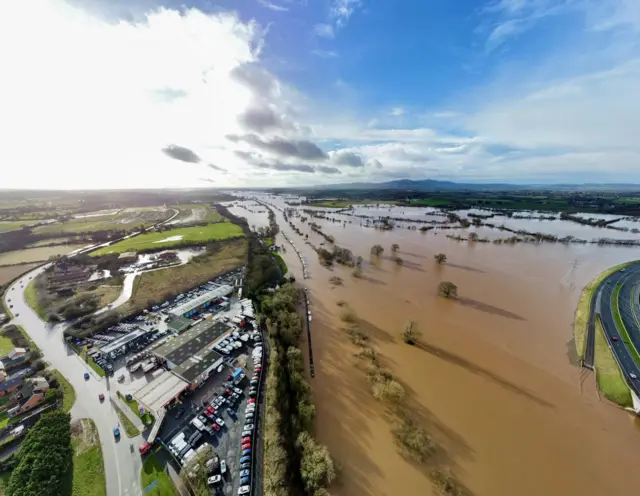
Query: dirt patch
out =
(85, 434)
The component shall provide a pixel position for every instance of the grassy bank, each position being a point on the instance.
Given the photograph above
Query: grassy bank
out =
(31, 295)
(153, 471)
(584, 308)
(129, 429)
(173, 238)
(609, 377)
(281, 263)
(5, 345)
(88, 465)
(69, 397)
(147, 418)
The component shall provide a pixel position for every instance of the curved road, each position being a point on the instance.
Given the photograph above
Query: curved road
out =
(121, 458)
(630, 313)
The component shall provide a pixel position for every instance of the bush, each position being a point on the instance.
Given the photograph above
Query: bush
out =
(316, 466)
(377, 250)
(390, 391)
(357, 272)
(336, 281)
(446, 482)
(356, 336)
(412, 440)
(447, 289)
(410, 332)
(39, 365)
(348, 315)
(341, 303)
(440, 258)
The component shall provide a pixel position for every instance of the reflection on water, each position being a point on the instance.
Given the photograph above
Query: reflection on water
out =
(491, 381)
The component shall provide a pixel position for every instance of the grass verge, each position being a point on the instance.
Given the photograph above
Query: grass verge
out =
(153, 474)
(5, 345)
(32, 345)
(88, 465)
(583, 310)
(130, 429)
(96, 368)
(69, 397)
(147, 418)
(281, 263)
(624, 334)
(31, 295)
(608, 375)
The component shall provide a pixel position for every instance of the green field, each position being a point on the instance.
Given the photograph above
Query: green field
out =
(127, 220)
(14, 225)
(281, 263)
(608, 375)
(173, 238)
(5, 346)
(196, 212)
(147, 418)
(30, 255)
(152, 470)
(88, 465)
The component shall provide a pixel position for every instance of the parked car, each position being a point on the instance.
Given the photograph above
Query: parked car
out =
(245, 465)
(244, 489)
(220, 422)
(248, 427)
(244, 480)
(245, 446)
(245, 459)
(246, 439)
(216, 427)
(246, 433)
(216, 479)
(223, 467)
(246, 452)
(116, 432)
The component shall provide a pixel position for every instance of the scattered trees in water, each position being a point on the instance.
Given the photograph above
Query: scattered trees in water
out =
(325, 257)
(446, 482)
(440, 258)
(473, 237)
(395, 247)
(377, 250)
(343, 256)
(335, 281)
(411, 333)
(448, 289)
(398, 260)
(359, 261)
(357, 272)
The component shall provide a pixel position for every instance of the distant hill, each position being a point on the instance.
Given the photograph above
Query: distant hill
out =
(434, 185)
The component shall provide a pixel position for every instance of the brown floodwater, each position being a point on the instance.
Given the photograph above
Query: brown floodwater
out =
(493, 381)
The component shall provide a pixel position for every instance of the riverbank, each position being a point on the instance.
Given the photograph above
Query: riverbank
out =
(583, 310)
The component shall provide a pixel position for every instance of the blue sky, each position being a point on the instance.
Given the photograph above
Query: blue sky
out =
(290, 92)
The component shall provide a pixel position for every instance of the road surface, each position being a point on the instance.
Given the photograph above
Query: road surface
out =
(630, 313)
(122, 466)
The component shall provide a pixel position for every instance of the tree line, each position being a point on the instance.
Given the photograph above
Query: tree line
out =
(295, 463)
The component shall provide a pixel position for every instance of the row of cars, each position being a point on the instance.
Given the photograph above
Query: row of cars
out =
(250, 416)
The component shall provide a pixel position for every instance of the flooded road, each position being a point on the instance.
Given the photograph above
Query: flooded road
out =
(492, 380)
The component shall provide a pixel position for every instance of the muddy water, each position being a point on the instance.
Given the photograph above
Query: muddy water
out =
(493, 382)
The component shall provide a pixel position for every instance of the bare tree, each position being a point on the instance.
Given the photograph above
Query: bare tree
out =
(448, 289)
(411, 333)
(440, 258)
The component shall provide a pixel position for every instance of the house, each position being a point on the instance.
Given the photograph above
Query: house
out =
(30, 396)
(16, 357)
(10, 385)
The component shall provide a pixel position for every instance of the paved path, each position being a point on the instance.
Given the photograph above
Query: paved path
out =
(121, 458)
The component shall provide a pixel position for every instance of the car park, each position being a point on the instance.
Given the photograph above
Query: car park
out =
(246, 451)
(245, 459)
(245, 465)
(216, 479)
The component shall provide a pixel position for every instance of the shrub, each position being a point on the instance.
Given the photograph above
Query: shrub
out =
(410, 333)
(412, 440)
(341, 303)
(356, 335)
(316, 466)
(357, 272)
(446, 482)
(395, 247)
(336, 281)
(447, 289)
(348, 315)
(391, 391)
(377, 250)
(440, 258)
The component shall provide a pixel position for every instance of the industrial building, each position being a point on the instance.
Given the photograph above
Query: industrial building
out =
(190, 355)
(199, 303)
(123, 341)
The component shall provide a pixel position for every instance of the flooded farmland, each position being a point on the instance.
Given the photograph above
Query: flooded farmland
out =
(493, 381)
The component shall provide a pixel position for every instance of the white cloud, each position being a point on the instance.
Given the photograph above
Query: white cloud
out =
(325, 54)
(397, 112)
(273, 6)
(342, 10)
(324, 30)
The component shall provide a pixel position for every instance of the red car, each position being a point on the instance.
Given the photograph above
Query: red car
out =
(246, 439)
(211, 410)
(615, 338)
(245, 446)
(101, 397)
(258, 370)
(251, 400)
(208, 413)
(228, 391)
(216, 427)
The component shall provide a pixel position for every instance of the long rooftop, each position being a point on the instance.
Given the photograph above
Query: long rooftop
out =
(193, 303)
(188, 344)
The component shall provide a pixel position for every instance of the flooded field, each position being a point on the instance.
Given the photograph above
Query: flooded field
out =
(492, 381)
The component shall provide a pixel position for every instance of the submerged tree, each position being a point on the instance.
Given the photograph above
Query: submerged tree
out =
(448, 289)
(410, 333)
(377, 250)
(473, 236)
(395, 247)
(359, 262)
(440, 258)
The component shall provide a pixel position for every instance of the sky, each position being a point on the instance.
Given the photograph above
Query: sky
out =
(250, 93)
